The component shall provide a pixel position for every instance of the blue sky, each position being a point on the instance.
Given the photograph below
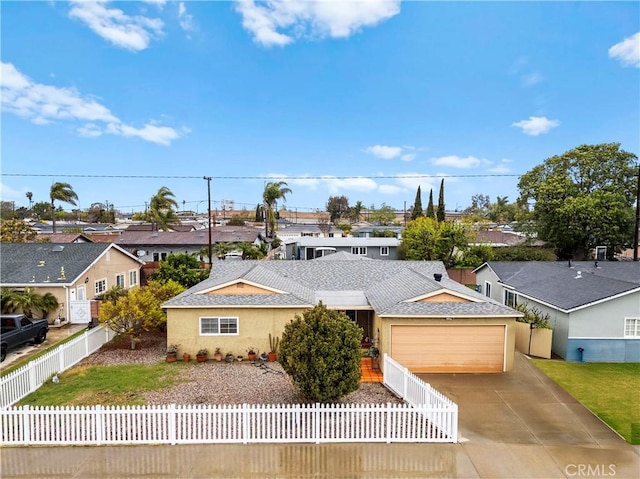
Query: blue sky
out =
(365, 99)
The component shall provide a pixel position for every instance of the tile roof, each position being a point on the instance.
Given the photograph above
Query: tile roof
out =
(385, 285)
(24, 263)
(568, 287)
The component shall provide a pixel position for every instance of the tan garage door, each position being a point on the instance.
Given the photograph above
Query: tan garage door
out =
(449, 349)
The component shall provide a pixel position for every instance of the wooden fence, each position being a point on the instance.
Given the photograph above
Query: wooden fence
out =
(23, 381)
(201, 424)
(419, 394)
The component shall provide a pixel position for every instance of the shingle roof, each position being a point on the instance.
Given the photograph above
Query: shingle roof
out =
(24, 263)
(219, 234)
(568, 287)
(385, 284)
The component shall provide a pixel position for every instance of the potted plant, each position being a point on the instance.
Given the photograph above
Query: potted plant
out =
(229, 358)
(251, 353)
(240, 358)
(186, 357)
(217, 355)
(274, 341)
(202, 355)
(373, 353)
(172, 353)
(264, 356)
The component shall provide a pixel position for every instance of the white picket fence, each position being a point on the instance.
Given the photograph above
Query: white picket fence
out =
(28, 378)
(246, 423)
(417, 393)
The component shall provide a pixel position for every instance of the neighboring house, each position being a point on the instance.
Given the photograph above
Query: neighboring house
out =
(409, 309)
(304, 230)
(374, 248)
(370, 231)
(498, 239)
(593, 306)
(63, 238)
(74, 273)
(157, 245)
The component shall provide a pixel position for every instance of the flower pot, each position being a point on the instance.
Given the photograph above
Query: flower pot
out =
(217, 357)
(273, 356)
(251, 356)
(186, 357)
(172, 357)
(201, 358)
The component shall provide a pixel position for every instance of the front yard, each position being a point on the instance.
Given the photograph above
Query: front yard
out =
(609, 390)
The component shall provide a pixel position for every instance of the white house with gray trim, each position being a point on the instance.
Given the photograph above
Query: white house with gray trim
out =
(373, 248)
(593, 306)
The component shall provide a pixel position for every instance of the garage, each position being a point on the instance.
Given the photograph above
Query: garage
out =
(449, 349)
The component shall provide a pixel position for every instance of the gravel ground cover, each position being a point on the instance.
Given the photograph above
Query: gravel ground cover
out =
(223, 383)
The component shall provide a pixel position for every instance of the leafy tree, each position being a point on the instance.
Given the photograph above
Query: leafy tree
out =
(183, 268)
(384, 234)
(417, 206)
(440, 211)
(383, 216)
(475, 255)
(252, 251)
(61, 192)
(162, 209)
(320, 350)
(324, 226)
(355, 212)
(273, 191)
(236, 220)
(426, 239)
(431, 213)
(583, 198)
(523, 253)
(140, 310)
(40, 210)
(16, 231)
(337, 207)
(7, 210)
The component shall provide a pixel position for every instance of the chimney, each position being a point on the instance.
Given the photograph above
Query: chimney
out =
(437, 276)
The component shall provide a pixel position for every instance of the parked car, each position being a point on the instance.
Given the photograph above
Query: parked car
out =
(17, 329)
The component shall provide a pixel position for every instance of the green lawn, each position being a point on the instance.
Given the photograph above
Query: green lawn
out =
(105, 385)
(611, 391)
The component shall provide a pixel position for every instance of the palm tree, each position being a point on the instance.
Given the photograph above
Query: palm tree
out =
(161, 209)
(356, 211)
(273, 191)
(30, 198)
(61, 192)
(48, 302)
(25, 301)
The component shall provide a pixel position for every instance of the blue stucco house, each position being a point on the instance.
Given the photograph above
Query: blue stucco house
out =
(593, 307)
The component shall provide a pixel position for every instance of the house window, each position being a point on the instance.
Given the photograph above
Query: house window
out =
(120, 280)
(101, 286)
(359, 250)
(632, 327)
(487, 289)
(133, 277)
(218, 326)
(163, 256)
(384, 251)
(510, 299)
(156, 256)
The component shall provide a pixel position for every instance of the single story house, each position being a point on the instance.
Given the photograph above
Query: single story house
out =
(152, 246)
(75, 273)
(593, 306)
(374, 248)
(408, 309)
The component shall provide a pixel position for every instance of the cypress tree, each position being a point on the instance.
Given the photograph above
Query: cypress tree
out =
(440, 212)
(417, 206)
(430, 212)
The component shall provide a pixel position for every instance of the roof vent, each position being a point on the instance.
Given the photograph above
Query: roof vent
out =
(578, 275)
(57, 247)
(437, 276)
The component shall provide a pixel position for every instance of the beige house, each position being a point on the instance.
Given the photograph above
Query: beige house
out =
(409, 310)
(74, 273)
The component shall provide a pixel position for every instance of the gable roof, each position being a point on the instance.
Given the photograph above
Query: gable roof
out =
(219, 234)
(388, 287)
(41, 263)
(568, 287)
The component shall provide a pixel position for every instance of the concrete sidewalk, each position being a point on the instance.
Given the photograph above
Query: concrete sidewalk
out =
(512, 425)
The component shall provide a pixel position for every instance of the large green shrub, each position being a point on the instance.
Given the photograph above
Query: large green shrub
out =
(321, 353)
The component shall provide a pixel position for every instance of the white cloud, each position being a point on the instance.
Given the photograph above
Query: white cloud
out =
(336, 185)
(408, 157)
(391, 189)
(266, 21)
(43, 104)
(536, 125)
(454, 161)
(385, 152)
(112, 24)
(502, 168)
(185, 19)
(627, 51)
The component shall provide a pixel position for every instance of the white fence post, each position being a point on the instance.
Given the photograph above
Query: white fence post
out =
(172, 424)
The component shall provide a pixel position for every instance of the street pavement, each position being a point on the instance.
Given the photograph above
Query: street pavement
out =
(512, 425)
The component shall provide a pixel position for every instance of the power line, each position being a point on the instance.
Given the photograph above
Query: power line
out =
(271, 177)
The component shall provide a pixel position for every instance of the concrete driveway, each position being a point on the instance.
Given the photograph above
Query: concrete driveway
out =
(512, 425)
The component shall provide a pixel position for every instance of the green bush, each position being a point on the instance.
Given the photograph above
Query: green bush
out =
(321, 353)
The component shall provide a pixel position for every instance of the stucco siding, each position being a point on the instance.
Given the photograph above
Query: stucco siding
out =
(604, 350)
(605, 320)
(254, 327)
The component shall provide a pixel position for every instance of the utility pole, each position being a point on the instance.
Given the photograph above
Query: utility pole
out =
(208, 178)
(636, 240)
